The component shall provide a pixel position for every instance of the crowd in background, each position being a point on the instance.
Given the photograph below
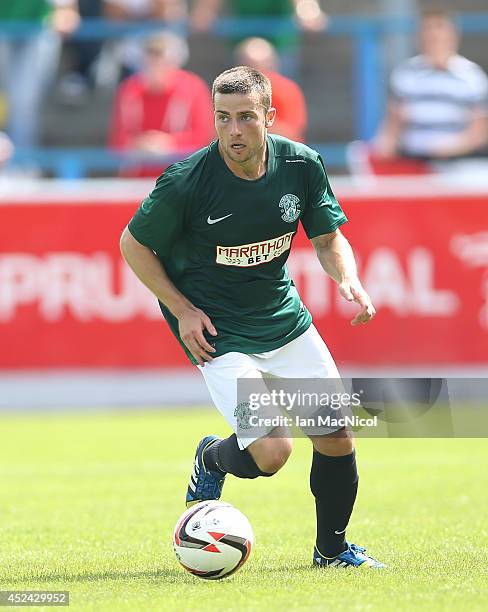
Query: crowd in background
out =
(438, 107)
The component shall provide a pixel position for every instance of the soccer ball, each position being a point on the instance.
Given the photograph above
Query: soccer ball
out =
(212, 539)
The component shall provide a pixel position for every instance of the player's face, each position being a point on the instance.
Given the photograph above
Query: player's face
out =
(241, 122)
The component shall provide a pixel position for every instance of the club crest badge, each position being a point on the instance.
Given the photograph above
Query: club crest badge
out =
(242, 414)
(290, 206)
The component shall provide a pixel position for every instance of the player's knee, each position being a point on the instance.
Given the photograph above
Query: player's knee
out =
(335, 445)
(274, 455)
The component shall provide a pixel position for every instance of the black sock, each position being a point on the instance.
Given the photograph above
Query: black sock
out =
(334, 483)
(225, 456)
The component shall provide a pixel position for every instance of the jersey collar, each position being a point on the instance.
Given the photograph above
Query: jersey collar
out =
(270, 168)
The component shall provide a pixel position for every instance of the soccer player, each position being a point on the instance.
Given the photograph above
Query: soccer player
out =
(211, 242)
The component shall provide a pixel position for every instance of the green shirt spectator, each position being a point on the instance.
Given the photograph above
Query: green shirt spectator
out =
(25, 10)
(30, 62)
(268, 8)
(307, 14)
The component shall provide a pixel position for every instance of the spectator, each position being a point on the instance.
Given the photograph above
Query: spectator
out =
(439, 104)
(83, 55)
(307, 15)
(288, 99)
(130, 52)
(29, 63)
(162, 110)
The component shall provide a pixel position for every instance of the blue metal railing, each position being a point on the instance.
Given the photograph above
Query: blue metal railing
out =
(369, 75)
(75, 163)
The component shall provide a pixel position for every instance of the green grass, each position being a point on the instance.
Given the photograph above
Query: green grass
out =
(88, 503)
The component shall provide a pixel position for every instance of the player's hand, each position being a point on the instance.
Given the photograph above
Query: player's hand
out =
(192, 323)
(353, 291)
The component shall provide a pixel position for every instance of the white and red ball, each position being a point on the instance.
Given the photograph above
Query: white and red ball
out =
(212, 539)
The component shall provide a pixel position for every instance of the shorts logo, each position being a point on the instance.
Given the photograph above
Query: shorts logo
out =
(290, 206)
(254, 254)
(242, 415)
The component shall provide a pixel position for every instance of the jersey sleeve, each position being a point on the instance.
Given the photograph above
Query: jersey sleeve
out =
(322, 213)
(160, 218)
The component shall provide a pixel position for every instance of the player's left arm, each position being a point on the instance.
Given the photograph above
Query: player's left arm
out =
(337, 259)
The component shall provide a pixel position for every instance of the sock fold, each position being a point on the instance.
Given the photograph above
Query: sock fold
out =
(225, 456)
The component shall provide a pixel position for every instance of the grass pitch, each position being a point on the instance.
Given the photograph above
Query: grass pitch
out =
(88, 503)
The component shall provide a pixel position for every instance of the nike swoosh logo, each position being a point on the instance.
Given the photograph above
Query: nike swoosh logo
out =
(339, 532)
(212, 221)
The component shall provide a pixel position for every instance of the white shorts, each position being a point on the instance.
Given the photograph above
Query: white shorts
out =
(305, 357)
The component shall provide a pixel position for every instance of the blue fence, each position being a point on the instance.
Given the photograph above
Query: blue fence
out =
(365, 31)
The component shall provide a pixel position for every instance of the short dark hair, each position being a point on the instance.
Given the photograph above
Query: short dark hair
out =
(243, 80)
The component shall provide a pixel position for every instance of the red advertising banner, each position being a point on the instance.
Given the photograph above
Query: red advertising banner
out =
(68, 300)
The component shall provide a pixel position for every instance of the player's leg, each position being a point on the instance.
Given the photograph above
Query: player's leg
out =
(244, 457)
(271, 452)
(334, 484)
(333, 474)
(263, 457)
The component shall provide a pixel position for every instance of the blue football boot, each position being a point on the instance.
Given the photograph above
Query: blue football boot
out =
(204, 484)
(353, 556)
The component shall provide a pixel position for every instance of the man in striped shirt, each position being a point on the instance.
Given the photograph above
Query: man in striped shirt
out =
(439, 99)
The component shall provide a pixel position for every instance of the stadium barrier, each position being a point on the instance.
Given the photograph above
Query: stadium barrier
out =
(67, 300)
(366, 32)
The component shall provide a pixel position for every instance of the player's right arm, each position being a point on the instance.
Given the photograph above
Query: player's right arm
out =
(191, 320)
(158, 224)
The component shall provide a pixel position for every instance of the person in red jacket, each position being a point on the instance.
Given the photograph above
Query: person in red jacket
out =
(163, 110)
(288, 98)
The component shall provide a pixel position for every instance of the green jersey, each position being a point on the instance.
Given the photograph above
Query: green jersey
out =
(280, 9)
(24, 10)
(224, 240)
(264, 8)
